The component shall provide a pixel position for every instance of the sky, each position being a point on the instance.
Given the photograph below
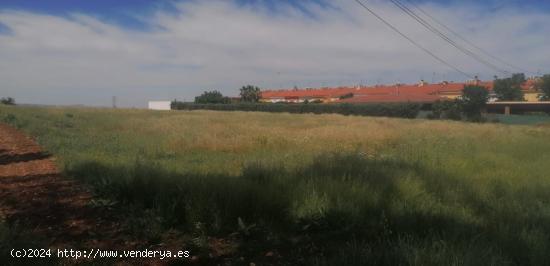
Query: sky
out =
(69, 52)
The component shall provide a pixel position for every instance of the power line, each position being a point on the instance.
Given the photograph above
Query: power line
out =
(485, 52)
(434, 30)
(412, 41)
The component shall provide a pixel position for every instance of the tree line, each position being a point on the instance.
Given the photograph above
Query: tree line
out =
(469, 106)
(403, 110)
(248, 94)
(510, 89)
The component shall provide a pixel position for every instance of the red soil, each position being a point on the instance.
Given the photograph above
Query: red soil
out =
(38, 199)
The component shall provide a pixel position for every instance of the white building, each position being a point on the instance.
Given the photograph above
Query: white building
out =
(160, 105)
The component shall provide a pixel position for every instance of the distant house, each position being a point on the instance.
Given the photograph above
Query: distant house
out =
(422, 92)
(160, 105)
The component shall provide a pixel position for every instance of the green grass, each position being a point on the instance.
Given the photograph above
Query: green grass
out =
(320, 189)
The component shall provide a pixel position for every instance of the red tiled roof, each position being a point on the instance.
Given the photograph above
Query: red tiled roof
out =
(417, 98)
(376, 90)
(323, 93)
(426, 92)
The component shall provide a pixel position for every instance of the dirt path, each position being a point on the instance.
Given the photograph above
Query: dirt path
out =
(39, 200)
(35, 196)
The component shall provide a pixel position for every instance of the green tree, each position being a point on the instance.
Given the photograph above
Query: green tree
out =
(7, 101)
(346, 96)
(211, 97)
(250, 94)
(509, 89)
(474, 98)
(544, 86)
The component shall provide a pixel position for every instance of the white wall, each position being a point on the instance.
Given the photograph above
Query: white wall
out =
(160, 105)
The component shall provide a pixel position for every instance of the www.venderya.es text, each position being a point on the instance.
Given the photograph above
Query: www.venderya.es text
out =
(98, 254)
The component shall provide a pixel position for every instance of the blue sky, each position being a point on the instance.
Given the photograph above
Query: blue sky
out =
(126, 12)
(122, 12)
(119, 9)
(84, 52)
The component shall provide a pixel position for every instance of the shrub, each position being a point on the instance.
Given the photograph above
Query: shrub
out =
(408, 110)
(7, 101)
(474, 99)
(446, 110)
(346, 96)
(211, 97)
(9, 119)
(432, 116)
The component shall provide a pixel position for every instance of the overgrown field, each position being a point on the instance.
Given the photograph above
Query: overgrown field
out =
(316, 189)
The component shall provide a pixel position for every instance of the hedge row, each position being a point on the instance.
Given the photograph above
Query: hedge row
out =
(404, 110)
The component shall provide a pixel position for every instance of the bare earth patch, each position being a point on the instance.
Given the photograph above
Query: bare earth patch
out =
(37, 198)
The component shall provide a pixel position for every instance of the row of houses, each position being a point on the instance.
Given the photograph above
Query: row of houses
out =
(422, 92)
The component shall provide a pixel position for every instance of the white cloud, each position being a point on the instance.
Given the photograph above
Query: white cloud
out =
(221, 45)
